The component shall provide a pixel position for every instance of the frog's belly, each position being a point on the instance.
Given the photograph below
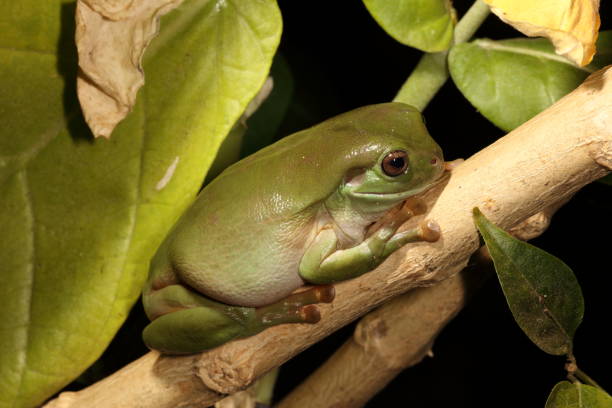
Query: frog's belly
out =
(253, 283)
(252, 273)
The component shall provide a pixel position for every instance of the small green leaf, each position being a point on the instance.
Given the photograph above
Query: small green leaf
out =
(511, 81)
(603, 56)
(606, 179)
(576, 395)
(542, 292)
(424, 24)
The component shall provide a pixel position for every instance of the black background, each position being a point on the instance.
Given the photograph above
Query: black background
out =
(341, 59)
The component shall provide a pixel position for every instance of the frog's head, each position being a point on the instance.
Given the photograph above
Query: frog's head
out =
(402, 158)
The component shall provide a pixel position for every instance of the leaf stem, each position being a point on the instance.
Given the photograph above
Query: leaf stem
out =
(264, 387)
(431, 71)
(585, 379)
(576, 374)
(471, 21)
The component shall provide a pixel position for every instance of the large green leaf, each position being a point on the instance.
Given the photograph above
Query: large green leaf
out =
(541, 290)
(423, 24)
(576, 395)
(511, 81)
(80, 218)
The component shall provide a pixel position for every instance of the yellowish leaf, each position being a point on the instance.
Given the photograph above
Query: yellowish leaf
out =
(571, 25)
(111, 37)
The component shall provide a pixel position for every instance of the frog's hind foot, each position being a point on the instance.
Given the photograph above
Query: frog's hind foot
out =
(186, 322)
(297, 308)
(314, 294)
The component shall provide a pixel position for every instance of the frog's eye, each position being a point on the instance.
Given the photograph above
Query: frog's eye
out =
(395, 163)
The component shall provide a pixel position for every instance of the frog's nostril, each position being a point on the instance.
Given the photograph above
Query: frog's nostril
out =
(434, 161)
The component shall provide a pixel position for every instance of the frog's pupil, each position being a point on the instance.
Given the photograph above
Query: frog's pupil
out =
(397, 162)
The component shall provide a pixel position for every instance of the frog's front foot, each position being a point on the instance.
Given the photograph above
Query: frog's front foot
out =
(296, 308)
(428, 231)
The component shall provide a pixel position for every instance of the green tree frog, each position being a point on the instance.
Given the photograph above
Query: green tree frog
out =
(320, 206)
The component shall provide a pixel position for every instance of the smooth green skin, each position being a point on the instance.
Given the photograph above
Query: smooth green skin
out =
(294, 212)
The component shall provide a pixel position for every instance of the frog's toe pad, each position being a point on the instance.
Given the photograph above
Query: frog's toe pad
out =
(453, 164)
(310, 314)
(430, 231)
(325, 293)
(414, 206)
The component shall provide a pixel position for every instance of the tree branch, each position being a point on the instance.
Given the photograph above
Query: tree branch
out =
(542, 162)
(399, 334)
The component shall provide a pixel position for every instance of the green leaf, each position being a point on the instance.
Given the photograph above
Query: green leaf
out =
(424, 24)
(542, 291)
(577, 395)
(603, 55)
(80, 218)
(511, 81)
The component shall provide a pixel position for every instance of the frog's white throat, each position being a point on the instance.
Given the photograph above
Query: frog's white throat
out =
(350, 218)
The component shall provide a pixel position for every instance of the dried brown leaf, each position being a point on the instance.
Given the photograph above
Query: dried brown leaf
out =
(571, 25)
(111, 38)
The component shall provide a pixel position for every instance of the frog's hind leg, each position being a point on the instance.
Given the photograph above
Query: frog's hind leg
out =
(183, 321)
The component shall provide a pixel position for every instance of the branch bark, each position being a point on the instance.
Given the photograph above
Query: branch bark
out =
(542, 162)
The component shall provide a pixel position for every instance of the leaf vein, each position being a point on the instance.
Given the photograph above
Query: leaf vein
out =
(30, 218)
(496, 46)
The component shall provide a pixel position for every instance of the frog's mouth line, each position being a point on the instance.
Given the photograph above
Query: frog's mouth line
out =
(386, 196)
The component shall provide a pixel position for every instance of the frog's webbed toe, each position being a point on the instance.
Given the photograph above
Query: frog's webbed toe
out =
(297, 308)
(429, 231)
(414, 206)
(310, 313)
